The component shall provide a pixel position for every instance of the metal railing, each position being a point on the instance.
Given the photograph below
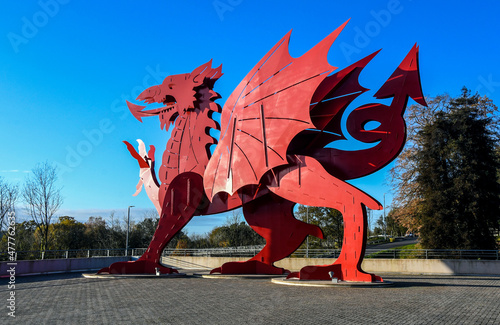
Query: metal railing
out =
(60, 254)
(250, 251)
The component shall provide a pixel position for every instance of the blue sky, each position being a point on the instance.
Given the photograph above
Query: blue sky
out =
(67, 68)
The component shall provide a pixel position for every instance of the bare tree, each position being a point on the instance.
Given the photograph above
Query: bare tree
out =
(42, 198)
(8, 197)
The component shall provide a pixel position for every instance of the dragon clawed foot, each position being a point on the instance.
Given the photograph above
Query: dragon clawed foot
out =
(249, 267)
(334, 271)
(137, 267)
(142, 156)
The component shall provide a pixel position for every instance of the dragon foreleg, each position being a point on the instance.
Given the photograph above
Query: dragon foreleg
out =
(181, 202)
(146, 172)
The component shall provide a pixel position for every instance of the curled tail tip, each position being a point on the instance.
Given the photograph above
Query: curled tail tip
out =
(405, 81)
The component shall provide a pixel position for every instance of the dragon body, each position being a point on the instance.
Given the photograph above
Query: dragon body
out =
(272, 153)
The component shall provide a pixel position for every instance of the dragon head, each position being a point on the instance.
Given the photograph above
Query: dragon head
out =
(180, 94)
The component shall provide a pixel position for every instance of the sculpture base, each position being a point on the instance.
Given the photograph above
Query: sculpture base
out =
(239, 276)
(325, 283)
(339, 271)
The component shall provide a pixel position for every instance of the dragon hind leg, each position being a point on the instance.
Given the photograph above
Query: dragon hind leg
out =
(305, 181)
(271, 217)
(182, 199)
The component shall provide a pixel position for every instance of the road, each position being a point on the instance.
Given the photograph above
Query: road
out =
(398, 243)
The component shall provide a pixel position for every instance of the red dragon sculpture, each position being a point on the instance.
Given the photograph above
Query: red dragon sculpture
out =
(272, 154)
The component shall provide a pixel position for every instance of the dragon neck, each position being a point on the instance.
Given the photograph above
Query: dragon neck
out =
(188, 149)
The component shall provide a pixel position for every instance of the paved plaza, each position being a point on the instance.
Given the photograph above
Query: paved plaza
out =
(73, 299)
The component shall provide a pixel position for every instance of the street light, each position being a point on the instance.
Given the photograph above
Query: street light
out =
(307, 238)
(384, 222)
(128, 229)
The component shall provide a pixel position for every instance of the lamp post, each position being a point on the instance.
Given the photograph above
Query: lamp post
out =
(128, 229)
(307, 238)
(384, 222)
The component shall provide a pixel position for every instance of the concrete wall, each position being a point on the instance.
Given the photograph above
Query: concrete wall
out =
(444, 267)
(401, 266)
(377, 266)
(60, 265)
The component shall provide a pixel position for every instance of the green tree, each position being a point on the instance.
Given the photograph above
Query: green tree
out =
(456, 176)
(234, 233)
(199, 241)
(99, 236)
(25, 237)
(141, 233)
(180, 236)
(403, 176)
(66, 234)
(329, 220)
(393, 226)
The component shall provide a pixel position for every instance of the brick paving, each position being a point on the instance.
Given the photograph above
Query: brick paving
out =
(73, 299)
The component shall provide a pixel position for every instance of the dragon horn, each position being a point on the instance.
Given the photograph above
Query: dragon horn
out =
(405, 81)
(201, 72)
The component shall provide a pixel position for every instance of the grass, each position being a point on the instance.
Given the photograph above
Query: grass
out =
(411, 253)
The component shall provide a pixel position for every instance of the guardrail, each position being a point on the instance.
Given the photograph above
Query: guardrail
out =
(434, 254)
(61, 254)
(251, 251)
(334, 253)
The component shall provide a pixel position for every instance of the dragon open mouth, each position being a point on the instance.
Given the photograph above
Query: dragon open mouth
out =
(167, 113)
(169, 100)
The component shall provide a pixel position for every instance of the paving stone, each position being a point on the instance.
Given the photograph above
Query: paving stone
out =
(73, 299)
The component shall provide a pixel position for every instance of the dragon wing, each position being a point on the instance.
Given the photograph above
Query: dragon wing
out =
(264, 113)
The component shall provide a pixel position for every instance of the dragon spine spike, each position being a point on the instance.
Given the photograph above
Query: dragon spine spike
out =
(335, 93)
(205, 71)
(320, 50)
(326, 88)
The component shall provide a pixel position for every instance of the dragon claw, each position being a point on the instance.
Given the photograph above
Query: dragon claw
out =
(142, 162)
